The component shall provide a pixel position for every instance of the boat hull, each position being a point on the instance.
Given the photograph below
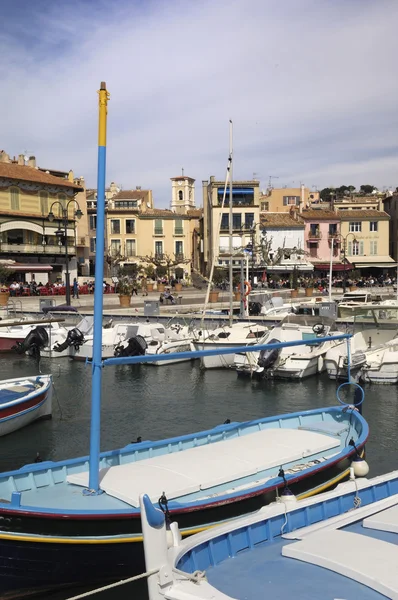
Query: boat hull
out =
(14, 417)
(7, 343)
(38, 553)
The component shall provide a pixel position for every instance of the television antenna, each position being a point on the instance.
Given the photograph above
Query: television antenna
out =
(271, 177)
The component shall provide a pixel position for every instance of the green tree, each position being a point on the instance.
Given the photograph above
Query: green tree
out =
(325, 194)
(165, 261)
(367, 189)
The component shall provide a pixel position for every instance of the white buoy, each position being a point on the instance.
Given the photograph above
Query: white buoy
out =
(360, 466)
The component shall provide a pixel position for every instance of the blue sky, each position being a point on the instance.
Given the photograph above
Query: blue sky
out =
(309, 84)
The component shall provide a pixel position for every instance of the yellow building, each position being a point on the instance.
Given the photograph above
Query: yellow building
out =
(282, 199)
(27, 236)
(245, 220)
(135, 229)
(365, 234)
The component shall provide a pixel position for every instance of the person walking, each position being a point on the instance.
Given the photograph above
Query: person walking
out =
(75, 288)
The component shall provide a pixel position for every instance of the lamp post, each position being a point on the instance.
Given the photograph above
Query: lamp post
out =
(59, 232)
(344, 240)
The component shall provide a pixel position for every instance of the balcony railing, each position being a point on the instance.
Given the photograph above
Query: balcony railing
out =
(37, 248)
(178, 231)
(81, 241)
(159, 256)
(333, 235)
(158, 230)
(180, 256)
(314, 235)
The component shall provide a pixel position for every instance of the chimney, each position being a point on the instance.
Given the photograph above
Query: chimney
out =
(4, 157)
(138, 187)
(21, 159)
(302, 198)
(32, 161)
(70, 175)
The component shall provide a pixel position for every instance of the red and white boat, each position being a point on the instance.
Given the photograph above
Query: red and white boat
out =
(24, 400)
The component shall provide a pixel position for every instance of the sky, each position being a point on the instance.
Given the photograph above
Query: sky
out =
(310, 86)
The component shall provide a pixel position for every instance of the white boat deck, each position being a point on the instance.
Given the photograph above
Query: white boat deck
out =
(186, 472)
(384, 521)
(369, 561)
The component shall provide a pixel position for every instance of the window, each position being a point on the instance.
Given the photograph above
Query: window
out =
(313, 250)
(264, 206)
(92, 244)
(373, 226)
(179, 251)
(332, 229)
(115, 247)
(178, 227)
(130, 225)
(44, 203)
(180, 195)
(158, 248)
(130, 248)
(291, 200)
(237, 221)
(93, 221)
(115, 226)
(225, 221)
(355, 248)
(355, 226)
(125, 204)
(158, 227)
(249, 220)
(14, 192)
(373, 248)
(314, 230)
(62, 200)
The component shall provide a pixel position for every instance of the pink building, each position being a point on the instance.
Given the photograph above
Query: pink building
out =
(321, 227)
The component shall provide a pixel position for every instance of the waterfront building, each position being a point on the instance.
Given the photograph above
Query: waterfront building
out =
(321, 227)
(391, 208)
(27, 236)
(283, 199)
(245, 221)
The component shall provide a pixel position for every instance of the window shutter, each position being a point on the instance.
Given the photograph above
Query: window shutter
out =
(361, 248)
(349, 249)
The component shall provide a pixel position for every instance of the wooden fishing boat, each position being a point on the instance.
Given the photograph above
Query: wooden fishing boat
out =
(341, 544)
(24, 400)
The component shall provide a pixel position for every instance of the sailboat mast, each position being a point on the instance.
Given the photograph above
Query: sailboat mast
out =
(95, 432)
(231, 284)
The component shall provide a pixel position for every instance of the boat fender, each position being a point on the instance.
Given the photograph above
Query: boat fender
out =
(288, 497)
(34, 341)
(318, 328)
(268, 358)
(360, 467)
(321, 364)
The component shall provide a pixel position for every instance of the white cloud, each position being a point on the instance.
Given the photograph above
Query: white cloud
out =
(310, 86)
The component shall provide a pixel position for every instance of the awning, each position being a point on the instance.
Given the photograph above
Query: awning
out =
(29, 268)
(375, 261)
(290, 267)
(376, 265)
(335, 266)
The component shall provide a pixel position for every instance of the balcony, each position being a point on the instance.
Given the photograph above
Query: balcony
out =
(335, 237)
(158, 231)
(159, 256)
(314, 235)
(36, 249)
(178, 231)
(180, 256)
(81, 241)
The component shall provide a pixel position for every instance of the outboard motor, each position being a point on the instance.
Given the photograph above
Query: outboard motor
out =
(268, 358)
(254, 309)
(74, 338)
(135, 346)
(33, 343)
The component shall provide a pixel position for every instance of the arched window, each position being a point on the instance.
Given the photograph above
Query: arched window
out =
(181, 195)
(44, 203)
(14, 194)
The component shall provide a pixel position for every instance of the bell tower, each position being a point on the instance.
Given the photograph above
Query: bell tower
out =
(182, 194)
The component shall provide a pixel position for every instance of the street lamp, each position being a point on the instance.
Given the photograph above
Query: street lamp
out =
(59, 232)
(344, 240)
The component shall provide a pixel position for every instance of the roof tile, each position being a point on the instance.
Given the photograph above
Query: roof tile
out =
(26, 173)
(350, 214)
(269, 220)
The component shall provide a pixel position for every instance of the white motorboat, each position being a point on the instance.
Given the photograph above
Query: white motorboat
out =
(155, 339)
(381, 364)
(362, 343)
(238, 334)
(289, 363)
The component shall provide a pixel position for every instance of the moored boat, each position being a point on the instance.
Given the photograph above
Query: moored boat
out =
(24, 400)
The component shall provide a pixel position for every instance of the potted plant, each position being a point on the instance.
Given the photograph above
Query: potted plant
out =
(293, 282)
(161, 271)
(5, 273)
(149, 272)
(124, 288)
(309, 287)
(354, 276)
(219, 277)
(179, 274)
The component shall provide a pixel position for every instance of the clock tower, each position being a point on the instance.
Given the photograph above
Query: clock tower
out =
(182, 194)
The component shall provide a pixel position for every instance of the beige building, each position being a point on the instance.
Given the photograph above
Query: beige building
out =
(282, 199)
(27, 195)
(365, 235)
(135, 229)
(245, 220)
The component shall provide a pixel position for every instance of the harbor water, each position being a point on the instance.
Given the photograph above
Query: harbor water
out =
(158, 402)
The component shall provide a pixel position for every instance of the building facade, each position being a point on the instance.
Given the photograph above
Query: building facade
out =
(283, 199)
(322, 236)
(245, 221)
(27, 235)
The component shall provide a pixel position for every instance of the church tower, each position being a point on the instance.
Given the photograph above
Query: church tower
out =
(182, 194)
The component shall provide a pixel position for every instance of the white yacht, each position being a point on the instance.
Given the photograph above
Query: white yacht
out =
(381, 364)
(294, 362)
(238, 334)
